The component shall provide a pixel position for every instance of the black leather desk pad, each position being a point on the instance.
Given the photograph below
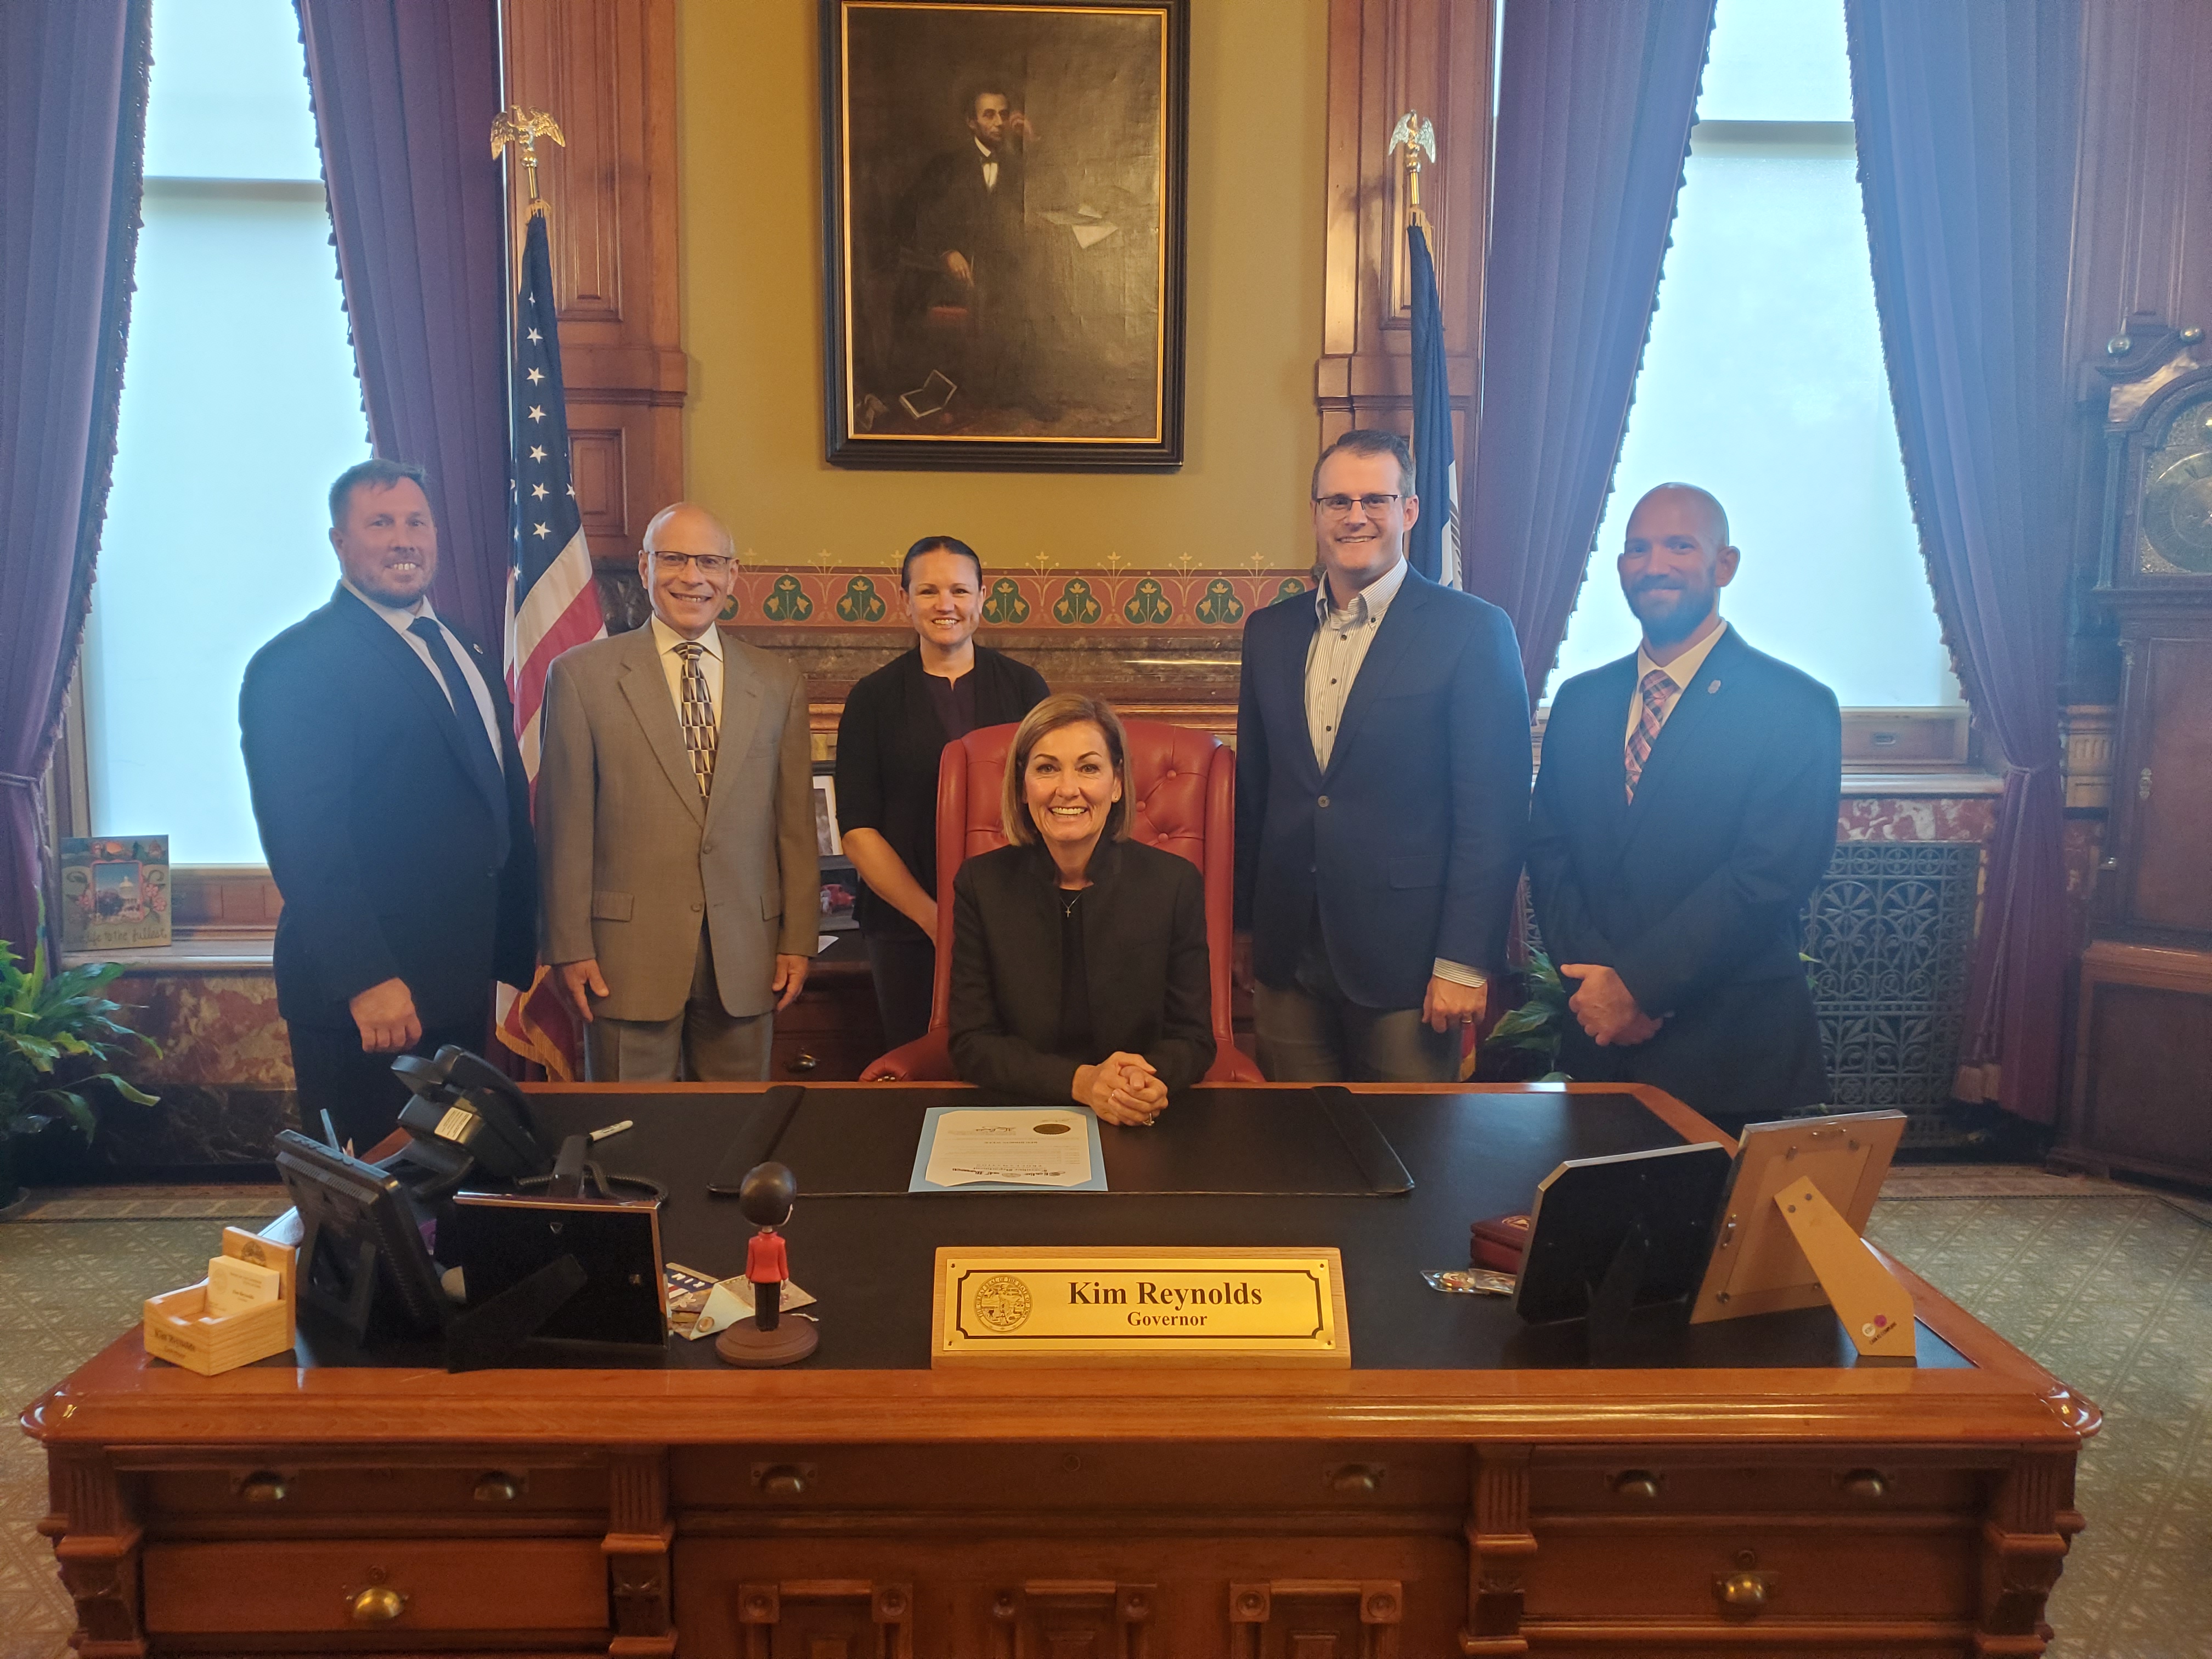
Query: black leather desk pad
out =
(848, 1143)
(871, 1259)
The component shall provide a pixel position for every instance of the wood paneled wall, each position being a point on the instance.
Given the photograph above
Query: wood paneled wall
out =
(2142, 198)
(2142, 247)
(606, 71)
(1386, 57)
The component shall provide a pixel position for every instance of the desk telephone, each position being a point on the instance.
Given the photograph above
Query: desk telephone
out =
(466, 1115)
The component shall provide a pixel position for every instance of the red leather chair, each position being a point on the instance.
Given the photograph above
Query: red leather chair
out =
(1182, 797)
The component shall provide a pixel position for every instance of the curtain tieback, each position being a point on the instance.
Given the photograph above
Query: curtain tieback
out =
(17, 780)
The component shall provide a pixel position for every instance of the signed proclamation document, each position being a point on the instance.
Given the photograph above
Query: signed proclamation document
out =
(1008, 1147)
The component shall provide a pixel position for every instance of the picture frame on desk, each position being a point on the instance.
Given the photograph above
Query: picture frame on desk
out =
(829, 841)
(840, 884)
(837, 896)
(1004, 211)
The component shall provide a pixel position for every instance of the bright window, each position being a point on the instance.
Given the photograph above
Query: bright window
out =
(239, 406)
(1763, 381)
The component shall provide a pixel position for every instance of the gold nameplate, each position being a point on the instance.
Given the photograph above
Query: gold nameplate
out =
(1109, 1305)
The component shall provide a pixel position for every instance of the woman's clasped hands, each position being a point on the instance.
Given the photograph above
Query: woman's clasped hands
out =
(1122, 1088)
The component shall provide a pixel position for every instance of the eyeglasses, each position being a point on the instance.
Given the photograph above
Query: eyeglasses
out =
(712, 566)
(1338, 506)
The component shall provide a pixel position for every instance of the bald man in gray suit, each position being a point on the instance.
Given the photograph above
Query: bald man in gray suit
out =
(675, 827)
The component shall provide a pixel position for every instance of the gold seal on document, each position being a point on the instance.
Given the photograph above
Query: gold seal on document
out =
(1002, 1302)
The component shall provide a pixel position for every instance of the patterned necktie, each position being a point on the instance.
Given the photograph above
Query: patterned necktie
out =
(697, 715)
(1657, 691)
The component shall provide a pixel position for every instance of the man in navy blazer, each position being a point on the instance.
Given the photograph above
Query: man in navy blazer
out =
(394, 813)
(1684, 809)
(1382, 794)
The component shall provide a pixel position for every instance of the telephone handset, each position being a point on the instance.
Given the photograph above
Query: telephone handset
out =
(466, 1115)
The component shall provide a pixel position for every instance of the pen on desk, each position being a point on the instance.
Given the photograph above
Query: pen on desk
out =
(611, 1129)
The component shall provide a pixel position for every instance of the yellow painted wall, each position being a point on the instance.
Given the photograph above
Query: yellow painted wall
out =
(749, 146)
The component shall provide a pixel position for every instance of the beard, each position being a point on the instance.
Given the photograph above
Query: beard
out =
(1671, 611)
(398, 589)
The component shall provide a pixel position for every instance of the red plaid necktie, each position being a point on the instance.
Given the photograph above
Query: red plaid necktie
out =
(1657, 691)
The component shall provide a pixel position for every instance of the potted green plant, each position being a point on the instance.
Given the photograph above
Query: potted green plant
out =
(58, 1037)
(1524, 1046)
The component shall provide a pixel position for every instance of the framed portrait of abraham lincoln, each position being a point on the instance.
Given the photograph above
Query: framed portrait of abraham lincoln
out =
(1003, 233)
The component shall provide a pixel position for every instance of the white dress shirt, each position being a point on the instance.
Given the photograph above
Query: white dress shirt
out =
(1682, 671)
(1340, 648)
(401, 619)
(665, 640)
(990, 165)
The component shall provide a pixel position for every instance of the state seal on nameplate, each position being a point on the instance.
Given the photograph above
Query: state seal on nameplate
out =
(1002, 1302)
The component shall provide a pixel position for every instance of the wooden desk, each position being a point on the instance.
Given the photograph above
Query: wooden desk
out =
(904, 1511)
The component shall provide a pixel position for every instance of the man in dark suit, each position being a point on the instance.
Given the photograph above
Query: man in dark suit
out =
(1382, 794)
(968, 207)
(394, 813)
(1685, 808)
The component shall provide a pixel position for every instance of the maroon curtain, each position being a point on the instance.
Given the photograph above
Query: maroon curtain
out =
(1595, 99)
(1966, 140)
(404, 95)
(72, 154)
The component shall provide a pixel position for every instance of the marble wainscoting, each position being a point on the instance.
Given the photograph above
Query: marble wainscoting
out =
(224, 1074)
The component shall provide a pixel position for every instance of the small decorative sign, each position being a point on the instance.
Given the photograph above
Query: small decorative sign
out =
(115, 892)
(1110, 1305)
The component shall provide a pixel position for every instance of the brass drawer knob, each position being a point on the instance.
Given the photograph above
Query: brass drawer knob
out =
(263, 1487)
(802, 1063)
(380, 1604)
(1636, 1483)
(784, 1480)
(498, 1488)
(1869, 1485)
(1743, 1589)
(1356, 1479)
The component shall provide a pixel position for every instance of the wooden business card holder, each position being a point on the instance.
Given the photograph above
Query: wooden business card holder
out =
(179, 1328)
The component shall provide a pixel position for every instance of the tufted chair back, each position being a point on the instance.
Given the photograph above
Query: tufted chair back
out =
(1183, 797)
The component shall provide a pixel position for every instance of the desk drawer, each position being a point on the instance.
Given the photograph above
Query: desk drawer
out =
(1586, 1569)
(1338, 1478)
(1870, 1483)
(282, 1493)
(396, 1586)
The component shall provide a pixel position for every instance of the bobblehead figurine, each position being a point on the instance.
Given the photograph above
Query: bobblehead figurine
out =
(766, 1197)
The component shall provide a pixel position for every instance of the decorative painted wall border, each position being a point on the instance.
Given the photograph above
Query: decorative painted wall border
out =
(850, 596)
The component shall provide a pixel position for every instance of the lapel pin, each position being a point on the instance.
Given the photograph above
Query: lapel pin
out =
(1712, 686)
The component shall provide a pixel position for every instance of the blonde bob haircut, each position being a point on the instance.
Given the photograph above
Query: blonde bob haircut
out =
(1064, 709)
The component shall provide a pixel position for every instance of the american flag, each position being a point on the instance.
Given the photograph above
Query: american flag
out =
(1434, 543)
(551, 603)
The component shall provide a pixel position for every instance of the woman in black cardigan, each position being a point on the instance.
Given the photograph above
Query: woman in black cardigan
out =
(1079, 963)
(897, 723)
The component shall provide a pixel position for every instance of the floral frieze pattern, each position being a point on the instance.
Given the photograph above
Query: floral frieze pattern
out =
(847, 597)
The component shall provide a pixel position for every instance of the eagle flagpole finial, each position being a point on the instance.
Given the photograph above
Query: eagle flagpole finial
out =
(1417, 135)
(518, 126)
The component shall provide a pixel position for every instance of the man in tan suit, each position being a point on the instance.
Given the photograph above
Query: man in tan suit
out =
(675, 827)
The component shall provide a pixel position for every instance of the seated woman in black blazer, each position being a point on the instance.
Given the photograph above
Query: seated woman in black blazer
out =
(1079, 967)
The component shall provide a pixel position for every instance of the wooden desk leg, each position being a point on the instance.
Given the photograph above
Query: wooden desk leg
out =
(1498, 1544)
(636, 1547)
(2025, 1536)
(95, 1538)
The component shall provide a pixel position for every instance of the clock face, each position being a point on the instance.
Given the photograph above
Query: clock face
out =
(2176, 521)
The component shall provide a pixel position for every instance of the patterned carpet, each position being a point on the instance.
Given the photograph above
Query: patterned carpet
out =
(2108, 1286)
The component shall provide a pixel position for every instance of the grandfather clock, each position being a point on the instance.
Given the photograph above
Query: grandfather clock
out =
(2140, 1099)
